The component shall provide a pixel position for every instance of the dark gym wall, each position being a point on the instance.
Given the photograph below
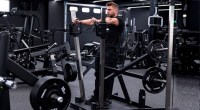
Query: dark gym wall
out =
(56, 19)
(88, 35)
(141, 17)
(177, 17)
(18, 20)
(193, 15)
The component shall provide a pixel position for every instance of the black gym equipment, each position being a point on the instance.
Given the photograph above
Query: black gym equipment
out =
(158, 76)
(31, 31)
(51, 56)
(101, 32)
(4, 83)
(46, 90)
(21, 42)
(188, 54)
(155, 20)
(154, 80)
(157, 50)
(89, 50)
(136, 47)
(50, 93)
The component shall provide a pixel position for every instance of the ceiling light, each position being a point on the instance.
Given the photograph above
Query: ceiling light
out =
(97, 1)
(4, 5)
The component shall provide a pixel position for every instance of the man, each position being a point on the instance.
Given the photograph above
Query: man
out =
(116, 26)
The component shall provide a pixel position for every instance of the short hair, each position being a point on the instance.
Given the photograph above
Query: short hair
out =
(113, 4)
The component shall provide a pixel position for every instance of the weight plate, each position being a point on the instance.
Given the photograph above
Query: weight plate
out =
(157, 55)
(70, 72)
(50, 93)
(149, 82)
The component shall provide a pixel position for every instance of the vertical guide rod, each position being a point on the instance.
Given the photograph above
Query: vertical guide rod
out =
(78, 59)
(169, 89)
(79, 67)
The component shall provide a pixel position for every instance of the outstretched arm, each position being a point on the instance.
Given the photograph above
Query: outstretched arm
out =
(92, 21)
(87, 21)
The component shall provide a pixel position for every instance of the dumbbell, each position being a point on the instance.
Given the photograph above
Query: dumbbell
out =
(157, 50)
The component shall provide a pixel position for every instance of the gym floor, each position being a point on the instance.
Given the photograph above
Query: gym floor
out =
(186, 92)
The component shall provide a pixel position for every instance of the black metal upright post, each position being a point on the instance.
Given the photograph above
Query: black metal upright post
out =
(102, 57)
(4, 93)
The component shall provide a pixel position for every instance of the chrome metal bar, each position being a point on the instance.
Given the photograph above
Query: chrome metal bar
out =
(160, 80)
(79, 67)
(169, 89)
(162, 49)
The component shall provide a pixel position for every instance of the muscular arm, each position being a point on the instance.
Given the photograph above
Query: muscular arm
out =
(108, 20)
(113, 21)
(87, 21)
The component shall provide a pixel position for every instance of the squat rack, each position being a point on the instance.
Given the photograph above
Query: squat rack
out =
(169, 90)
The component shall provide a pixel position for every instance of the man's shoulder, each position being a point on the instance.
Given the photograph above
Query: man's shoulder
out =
(120, 19)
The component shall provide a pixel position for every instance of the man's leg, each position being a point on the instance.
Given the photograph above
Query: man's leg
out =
(110, 61)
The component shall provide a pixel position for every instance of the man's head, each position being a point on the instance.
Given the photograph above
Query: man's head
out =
(112, 9)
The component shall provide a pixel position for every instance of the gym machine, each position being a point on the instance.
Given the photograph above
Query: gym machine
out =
(154, 78)
(101, 32)
(32, 16)
(47, 92)
(52, 57)
(19, 49)
(154, 75)
(159, 77)
(5, 84)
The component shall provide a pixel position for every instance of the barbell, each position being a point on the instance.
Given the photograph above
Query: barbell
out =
(157, 50)
(47, 92)
(50, 93)
(154, 80)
